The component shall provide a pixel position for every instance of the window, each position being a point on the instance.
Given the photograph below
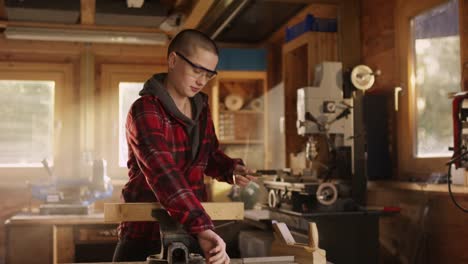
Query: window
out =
(428, 61)
(27, 110)
(40, 120)
(436, 74)
(128, 93)
(120, 85)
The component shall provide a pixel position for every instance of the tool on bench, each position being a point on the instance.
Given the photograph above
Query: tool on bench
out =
(175, 242)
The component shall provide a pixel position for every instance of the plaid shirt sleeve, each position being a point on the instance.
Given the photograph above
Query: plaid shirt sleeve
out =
(146, 138)
(220, 166)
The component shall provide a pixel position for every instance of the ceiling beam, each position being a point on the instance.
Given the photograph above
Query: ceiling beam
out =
(88, 12)
(4, 24)
(3, 14)
(319, 10)
(199, 10)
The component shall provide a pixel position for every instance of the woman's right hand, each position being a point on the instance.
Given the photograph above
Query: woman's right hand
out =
(213, 246)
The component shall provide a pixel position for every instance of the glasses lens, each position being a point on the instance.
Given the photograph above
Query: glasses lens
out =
(210, 75)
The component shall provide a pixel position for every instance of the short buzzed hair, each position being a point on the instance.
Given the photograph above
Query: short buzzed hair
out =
(188, 40)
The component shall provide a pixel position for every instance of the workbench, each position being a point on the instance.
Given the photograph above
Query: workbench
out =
(347, 237)
(263, 260)
(32, 238)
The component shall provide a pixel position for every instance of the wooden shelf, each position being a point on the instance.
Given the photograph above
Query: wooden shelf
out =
(239, 129)
(411, 186)
(241, 112)
(240, 142)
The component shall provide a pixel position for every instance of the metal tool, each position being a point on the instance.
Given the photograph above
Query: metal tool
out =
(327, 193)
(66, 195)
(175, 242)
(323, 112)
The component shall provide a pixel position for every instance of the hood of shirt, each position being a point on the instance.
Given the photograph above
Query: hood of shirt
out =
(155, 86)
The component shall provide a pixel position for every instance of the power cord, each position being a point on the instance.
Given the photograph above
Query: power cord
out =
(449, 180)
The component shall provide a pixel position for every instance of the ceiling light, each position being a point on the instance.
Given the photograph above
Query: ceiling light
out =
(50, 34)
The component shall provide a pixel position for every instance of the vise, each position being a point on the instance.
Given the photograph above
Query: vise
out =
(176, 243)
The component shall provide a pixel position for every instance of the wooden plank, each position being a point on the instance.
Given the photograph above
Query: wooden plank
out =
(302, 254)
(313, 235)
(239, 75)
(282, 230)
(10, 46)
(350, 33)
(88, 12)
(198, 12)
(118, 212)
(463, 6)
(48, 47)
(83, 27)
(63, 244)
(57, 219)
(3, 13)
(423, 187)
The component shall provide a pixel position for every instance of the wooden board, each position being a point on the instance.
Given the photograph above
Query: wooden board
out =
(283, 233)
(302, 254)
(199, 11)
(118, 212)
(3, 14)
(424, 187)
(88, 12)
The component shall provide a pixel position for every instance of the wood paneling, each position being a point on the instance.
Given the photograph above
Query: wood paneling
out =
(88, 12)
(464, 29)
(464, 40)
(378, 42)
(429, 229)
(63, 244)
(3, 14)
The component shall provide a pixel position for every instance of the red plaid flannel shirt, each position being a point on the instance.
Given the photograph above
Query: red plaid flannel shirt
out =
(161, 167)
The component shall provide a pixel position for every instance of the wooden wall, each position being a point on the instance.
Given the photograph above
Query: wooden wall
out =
(429, 229)
(439, 235)
(464, 40)
(378, 42)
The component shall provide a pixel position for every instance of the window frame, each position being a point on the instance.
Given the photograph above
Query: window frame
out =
(408, 164)
(65, 146)
(107, 101)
